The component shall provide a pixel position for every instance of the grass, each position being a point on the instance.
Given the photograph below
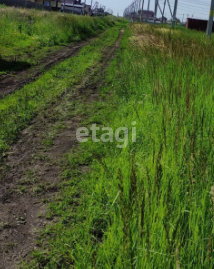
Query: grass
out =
(19, 108)
(151, 204)
(26, 36)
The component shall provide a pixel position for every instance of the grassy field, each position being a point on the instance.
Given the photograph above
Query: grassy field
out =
(151, 204)
(26, 36)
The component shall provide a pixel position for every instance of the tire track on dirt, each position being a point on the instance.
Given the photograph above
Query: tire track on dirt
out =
(10, 84)
(33, 170)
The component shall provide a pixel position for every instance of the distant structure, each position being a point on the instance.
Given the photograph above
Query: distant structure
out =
(136, 15)
(70, 6)
(53, 5)
(196, 24)
(140, 10)
(147, 14)
(99, 10)
(88, 9)
(25, 3)
(163, 19)
(73, 6)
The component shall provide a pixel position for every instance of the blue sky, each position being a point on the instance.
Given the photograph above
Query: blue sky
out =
(196, 8)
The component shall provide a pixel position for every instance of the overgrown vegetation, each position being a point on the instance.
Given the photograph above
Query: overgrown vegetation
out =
(150, 205)
(27, 35)
(17, 109)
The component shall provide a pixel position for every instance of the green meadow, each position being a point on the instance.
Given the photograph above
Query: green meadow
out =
(151, 204)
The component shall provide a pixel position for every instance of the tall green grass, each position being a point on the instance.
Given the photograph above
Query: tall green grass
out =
(151, 204)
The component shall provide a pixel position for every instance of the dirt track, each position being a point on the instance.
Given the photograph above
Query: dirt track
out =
(30, 164)
(11, 83)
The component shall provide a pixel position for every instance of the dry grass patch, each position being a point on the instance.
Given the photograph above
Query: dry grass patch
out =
(144, 37)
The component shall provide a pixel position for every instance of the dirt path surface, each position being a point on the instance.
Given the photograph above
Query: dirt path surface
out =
(11, 83)
(32, 168)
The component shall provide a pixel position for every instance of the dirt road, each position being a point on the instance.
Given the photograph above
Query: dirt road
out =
(32, 170)
(11, 83)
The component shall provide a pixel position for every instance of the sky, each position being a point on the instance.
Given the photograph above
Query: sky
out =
(186, 8)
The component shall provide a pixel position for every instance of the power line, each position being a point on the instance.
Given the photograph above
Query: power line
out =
(165, 8)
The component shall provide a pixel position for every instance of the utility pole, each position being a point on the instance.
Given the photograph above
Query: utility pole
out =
(136, 6)
(139, 10)
(175, 13)
(148, 8)
(210, 22)
(156, 10)
(84, 9)
(141, 15)
(64, 6)
(139, 5)
(164, 7)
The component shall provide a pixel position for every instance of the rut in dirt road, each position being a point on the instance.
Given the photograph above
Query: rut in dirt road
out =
(33, 170)
(10, 84)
